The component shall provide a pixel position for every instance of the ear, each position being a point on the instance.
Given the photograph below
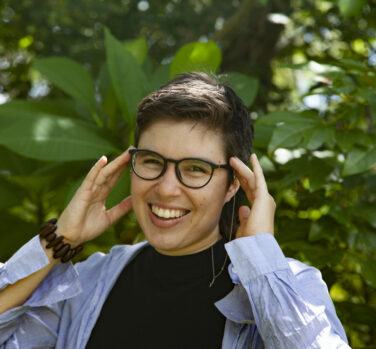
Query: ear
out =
(232, 189)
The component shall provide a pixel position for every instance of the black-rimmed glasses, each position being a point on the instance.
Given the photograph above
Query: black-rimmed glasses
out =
(191, 172)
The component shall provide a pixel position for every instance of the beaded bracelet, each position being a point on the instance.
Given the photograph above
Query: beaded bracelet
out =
(61, 250)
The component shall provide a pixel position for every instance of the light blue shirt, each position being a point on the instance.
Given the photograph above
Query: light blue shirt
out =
(276, 303)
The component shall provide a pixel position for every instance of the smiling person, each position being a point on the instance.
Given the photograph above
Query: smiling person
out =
(210, 275)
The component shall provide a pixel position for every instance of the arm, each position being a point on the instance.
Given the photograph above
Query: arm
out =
(289, 300)
(23, 278)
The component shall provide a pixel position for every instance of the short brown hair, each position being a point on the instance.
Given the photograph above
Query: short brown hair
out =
(200, 97)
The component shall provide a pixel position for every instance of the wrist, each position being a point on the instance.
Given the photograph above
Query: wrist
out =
(59, 247)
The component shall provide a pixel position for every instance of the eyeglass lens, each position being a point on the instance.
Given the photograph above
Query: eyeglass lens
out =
(193, 172)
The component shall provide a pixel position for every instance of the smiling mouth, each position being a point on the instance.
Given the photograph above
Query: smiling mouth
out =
(167, 213)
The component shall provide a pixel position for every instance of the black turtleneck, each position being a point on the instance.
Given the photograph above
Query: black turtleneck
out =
(162, 301)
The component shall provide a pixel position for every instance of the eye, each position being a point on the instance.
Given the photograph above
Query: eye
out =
(152, 161)
(195, 168)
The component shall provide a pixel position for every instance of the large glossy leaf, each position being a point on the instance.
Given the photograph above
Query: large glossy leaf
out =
(16, 165)
(359, 161)
(196, 56)
(127, 77)
(160, 77)
(71, 77)
(139, 49)
(245, 86)
(48, 137)
(263, 135)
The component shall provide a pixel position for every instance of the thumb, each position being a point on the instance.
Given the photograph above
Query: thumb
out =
(244, 213)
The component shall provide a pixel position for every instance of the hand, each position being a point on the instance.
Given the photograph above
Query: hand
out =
(260, 218)
(86, 215)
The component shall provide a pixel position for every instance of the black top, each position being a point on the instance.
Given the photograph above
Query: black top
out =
(162, 301)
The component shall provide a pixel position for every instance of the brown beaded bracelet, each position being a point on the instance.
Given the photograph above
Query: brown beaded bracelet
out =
(61, 250)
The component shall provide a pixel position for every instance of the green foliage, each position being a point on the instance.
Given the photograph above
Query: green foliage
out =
(196, 56)
(319, 160)
(70, 77)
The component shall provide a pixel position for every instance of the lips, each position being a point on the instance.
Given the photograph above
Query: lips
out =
(168, 213)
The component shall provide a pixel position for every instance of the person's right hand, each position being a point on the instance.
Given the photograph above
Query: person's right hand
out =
(86, 215)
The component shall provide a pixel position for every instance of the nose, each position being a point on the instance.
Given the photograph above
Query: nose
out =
(168, 183)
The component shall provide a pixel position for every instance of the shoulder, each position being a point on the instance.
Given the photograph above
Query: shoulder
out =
(99, 262)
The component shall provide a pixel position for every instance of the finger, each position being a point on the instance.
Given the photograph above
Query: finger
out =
(244, 174)
(120, 209)
(244, 213)
(259, 174)
(94, 172)
(113, 167)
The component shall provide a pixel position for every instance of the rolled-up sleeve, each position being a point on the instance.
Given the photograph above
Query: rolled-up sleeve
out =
(290, 301)
(38, 318)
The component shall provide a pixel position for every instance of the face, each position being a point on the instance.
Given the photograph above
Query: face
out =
(194, 213)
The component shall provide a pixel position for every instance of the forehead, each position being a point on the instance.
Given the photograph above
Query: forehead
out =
(178, 139)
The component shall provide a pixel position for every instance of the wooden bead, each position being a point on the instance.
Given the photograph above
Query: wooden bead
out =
(51, 236)
(79, 248)
(58, 246)
(62, 251)
(68, 256)
(55, 242)
(46, 229)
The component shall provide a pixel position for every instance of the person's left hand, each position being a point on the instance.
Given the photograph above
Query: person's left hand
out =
(260, 217)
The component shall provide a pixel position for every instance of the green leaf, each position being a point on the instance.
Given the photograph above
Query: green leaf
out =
(160, 77)
(9, 194)
(367, 211)
(357, 313)
(16, 165)
(127, 77)
(245, 86)
(372, 103)
(367, 265)
(289, 135)
(348, 139)
(120, 191)
(71, 77)
(320, 135)
(263, 135)
(359, 161)
(196, 56)
(350, 8)
(286, 117)
(139, 49)
(48, 137)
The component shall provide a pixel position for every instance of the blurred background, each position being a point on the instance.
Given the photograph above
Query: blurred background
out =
(73, 72)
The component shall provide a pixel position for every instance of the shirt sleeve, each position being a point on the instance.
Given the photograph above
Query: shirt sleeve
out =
(39, 317)
(290, 301)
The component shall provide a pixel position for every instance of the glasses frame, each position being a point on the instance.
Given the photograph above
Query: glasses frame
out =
(176, 162)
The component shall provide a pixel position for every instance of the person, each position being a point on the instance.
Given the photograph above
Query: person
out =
(210, 274)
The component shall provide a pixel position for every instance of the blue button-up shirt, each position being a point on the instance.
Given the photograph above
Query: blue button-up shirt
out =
(277, 302)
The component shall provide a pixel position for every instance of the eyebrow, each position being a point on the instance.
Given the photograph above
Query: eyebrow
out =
(187, 157)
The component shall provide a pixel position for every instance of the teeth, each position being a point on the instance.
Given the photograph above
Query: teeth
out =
(166, 213)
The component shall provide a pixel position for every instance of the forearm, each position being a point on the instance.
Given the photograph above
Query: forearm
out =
(16, 294)
(290, 302)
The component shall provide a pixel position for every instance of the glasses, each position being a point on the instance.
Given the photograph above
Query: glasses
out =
(191, 172)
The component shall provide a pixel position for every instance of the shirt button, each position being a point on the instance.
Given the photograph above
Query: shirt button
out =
(233, 270)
